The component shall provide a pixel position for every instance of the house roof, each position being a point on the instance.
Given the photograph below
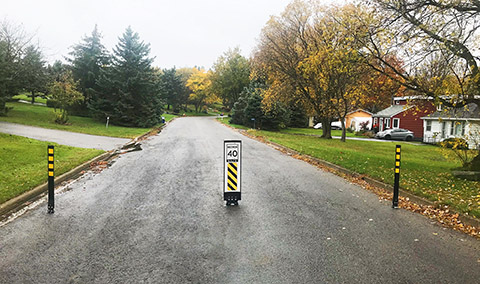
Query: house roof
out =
(470, 112)
(392, 110)
(360, 110)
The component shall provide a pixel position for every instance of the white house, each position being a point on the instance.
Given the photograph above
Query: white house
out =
(455, 123)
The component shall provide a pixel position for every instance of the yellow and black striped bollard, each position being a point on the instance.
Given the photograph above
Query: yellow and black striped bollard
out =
(51, 180)
(396, 183)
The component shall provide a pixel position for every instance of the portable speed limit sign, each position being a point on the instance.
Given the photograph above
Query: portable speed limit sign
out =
(232, 171)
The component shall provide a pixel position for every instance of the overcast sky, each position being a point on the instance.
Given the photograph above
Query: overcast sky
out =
(182, 33)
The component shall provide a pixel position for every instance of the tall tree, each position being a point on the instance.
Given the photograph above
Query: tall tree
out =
(128, 88)
(231, 74)
(437, 40)
(200, 86)
(185, 74)
(87, 59)
(34, 72)
(309, 57)
(173, 89)
(334, 65)
(13, 41)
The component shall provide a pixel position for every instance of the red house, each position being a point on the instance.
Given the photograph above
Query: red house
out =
(406, 113)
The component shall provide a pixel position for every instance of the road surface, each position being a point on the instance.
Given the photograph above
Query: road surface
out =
(157, 216)
(63, 137)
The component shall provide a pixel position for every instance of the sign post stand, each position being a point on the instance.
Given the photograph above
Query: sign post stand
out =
(232, 171)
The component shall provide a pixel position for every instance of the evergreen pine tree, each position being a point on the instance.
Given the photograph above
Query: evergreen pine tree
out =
(34, 72)
(173, 89)
(128, 88)
(87, 58)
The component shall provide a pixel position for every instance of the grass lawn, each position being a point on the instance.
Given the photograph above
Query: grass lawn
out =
(226, 120)
(26, 98)
(312, 131)
(42, 116)
(23, 163)
(425, 171)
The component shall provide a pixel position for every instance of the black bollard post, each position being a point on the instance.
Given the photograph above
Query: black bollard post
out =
(396, 184)
(51, 180)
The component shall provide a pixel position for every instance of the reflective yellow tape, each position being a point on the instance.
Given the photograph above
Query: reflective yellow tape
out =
(50, 158)
(50, 174)
(234, 178)
(397, 171)
(232, 186)
(50, 166)
(398, 150)
(50, 151)
(230, 167)
(397, 164)
(397, 156)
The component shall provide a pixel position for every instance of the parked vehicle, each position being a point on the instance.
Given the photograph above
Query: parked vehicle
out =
(336, 125)
(395, 134)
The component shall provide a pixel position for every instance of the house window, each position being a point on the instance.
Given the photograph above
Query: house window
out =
(387, 123)
(396, 122)
(452, 127)
(375, 121)
(429, 125)
(459, 128)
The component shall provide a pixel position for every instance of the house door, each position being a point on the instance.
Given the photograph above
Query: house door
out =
(444, 129)
(381, 124)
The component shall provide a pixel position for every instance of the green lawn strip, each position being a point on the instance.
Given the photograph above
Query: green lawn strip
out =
(42, 116)
(424, 170)
(168, 116)
(312, 131)
(28, 99)
(226, 121)
(23, 163)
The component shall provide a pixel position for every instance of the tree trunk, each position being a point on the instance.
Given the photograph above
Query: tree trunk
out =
(326, 128)
(33, 97)
(344, 131)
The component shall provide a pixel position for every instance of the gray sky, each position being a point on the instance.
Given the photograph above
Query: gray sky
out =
(182, 33)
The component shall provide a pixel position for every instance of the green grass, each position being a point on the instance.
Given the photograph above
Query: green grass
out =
(425, 171)
(312, 131)
(26, 98)
(226, 120)
(42, 116)
(23, 163)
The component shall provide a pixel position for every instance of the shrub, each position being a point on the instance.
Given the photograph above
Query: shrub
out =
(52, 103)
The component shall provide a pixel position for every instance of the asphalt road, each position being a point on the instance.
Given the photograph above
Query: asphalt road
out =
(157, 216)
(63, 137)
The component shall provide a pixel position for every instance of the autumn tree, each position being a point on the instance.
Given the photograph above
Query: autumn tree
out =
(310, 57)
(334, 64)
(65, 93)
(200, 85)
(382, 87)
(284, 43)
(435, 39)
(231, 73)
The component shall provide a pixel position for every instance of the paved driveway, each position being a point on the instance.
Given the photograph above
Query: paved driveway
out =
(63, 137)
